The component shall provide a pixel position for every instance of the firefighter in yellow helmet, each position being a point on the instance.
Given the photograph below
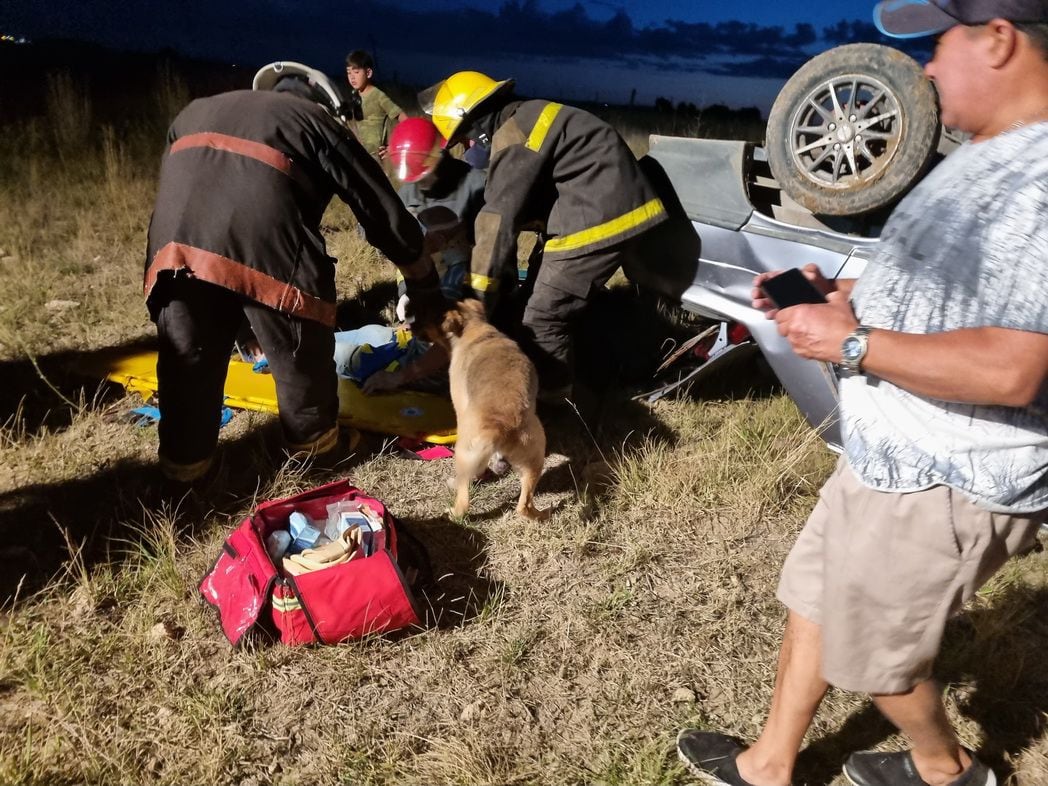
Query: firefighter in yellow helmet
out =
(560, 169)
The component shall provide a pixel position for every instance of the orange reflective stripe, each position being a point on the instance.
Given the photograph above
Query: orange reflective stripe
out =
(238, 277)
(232, 144)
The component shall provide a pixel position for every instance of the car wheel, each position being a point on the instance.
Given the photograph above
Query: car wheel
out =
(853, 129)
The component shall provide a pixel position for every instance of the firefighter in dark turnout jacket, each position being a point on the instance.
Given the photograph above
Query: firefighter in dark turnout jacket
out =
(236, 233)
(559, 169)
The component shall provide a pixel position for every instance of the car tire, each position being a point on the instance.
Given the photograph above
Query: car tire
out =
(853, 130)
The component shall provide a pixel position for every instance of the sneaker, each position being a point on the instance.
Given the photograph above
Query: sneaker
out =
(878, 768)
(710, 756)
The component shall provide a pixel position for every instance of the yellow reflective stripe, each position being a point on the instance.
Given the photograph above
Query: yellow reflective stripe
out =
(284, 605)
(321, 444)
(615, 226)
(541, 128)
(482, 283)
(184, 473)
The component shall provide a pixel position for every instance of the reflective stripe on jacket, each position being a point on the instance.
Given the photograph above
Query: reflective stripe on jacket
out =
(243, 186)
(566, 171)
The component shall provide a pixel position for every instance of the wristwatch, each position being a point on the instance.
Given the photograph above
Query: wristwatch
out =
(853, 350)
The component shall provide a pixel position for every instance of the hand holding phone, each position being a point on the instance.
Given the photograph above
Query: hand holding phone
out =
(791, 288)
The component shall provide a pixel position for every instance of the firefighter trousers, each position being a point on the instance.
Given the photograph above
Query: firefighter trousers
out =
(197, 324)
(561, 289)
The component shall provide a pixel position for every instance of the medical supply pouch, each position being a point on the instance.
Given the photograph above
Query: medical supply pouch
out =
(365, 595)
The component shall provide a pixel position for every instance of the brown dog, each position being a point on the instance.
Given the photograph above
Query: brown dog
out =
(493, 388)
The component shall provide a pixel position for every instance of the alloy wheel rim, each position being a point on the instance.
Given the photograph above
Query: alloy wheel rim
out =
(846, 131)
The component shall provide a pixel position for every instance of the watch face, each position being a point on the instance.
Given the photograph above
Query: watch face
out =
(851, 348)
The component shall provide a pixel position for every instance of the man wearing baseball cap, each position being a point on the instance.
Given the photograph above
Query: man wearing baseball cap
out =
(916, 18)
(943, 348)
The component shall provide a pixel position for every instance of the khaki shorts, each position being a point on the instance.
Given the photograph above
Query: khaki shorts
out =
(882, 572)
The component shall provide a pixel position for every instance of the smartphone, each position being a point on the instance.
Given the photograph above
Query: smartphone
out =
(791, 288)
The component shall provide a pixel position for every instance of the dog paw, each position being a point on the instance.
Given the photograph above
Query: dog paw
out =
(534, 513)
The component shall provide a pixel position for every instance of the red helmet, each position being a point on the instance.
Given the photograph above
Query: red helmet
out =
(415, 147)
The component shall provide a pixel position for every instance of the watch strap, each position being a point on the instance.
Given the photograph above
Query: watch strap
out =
(854, 366)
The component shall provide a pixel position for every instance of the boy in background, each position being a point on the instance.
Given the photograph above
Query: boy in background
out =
(379, 113)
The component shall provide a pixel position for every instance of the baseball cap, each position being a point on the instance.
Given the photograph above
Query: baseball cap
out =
(914, 18)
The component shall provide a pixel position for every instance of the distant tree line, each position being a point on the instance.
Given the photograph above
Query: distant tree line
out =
(713, 114)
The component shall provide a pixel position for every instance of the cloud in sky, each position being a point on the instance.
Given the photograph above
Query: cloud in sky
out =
(321, 31)
(523, 27)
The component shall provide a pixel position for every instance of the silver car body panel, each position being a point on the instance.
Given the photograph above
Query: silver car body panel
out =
(711, 179)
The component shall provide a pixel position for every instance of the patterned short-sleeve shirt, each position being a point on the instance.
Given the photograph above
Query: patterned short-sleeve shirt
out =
(968, 247)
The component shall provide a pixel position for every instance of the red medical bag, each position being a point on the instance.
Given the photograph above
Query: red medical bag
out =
(346, 601)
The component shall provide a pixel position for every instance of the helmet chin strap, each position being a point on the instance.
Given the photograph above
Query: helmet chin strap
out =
(301, 87)
(481, 129)
(428, 180)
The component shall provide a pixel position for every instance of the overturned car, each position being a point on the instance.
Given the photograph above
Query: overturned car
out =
(850, 133)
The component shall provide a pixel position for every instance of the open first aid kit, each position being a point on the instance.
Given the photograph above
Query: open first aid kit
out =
(319, 567)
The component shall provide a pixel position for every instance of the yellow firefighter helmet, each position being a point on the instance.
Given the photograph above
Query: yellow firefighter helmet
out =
(451, 100)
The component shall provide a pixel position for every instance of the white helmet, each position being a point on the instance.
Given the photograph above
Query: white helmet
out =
(320, 88)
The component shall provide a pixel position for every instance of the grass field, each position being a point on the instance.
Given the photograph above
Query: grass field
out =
(565, 652)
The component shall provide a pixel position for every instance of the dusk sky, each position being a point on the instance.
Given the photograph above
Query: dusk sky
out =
(705, 52)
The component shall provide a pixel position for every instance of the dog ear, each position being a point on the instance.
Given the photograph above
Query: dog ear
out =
(453, 322)
(472, 308)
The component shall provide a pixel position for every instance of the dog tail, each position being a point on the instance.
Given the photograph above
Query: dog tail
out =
(505, 427)
(513, 410)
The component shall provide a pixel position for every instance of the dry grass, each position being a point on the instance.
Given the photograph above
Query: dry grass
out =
(563, 652)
